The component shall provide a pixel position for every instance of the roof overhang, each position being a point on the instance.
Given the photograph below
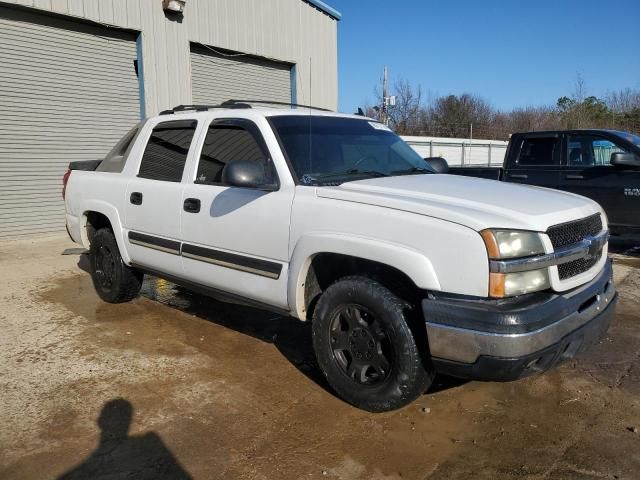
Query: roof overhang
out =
(332, 12)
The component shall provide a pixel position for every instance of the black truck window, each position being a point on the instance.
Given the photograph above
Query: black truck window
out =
(166, 152)
(227, 141)
(590, 151)
(538, 151)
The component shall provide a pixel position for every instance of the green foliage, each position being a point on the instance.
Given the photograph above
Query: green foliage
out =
(468, 115)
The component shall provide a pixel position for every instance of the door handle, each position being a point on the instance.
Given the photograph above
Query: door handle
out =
(574, 177)
(192, 205)
(136, 198)
(518, 175)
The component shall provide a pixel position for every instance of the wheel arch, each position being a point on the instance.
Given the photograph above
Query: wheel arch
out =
(97, 214)
(334, 256)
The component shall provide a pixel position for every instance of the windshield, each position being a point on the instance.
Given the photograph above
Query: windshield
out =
(332, 150)
(630, 137)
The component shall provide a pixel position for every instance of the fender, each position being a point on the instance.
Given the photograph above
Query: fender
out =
(111, 213)
(411, 262)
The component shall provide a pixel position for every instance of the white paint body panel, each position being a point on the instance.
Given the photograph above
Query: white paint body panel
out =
(475, 203)
(427, 226)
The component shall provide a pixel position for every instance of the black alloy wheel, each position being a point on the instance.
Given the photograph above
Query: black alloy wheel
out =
(105, 266)
(369, 345)
(114, 281)
(361, 348)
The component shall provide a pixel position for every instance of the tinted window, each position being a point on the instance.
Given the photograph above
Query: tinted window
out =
(629, 137)
(538, 151)
(116, 158)
(590, 151)
(166, 152)
(328, 150)
(226, 142)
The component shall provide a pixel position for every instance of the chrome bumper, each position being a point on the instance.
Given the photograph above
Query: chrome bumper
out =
(512, 336)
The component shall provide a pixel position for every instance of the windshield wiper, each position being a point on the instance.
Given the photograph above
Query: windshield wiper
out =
(411, 170)
(351, 171)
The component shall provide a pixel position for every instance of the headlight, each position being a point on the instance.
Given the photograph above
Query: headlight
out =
(509, 244)
(512, 243)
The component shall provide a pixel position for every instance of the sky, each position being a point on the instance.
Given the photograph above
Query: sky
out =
(512, 53)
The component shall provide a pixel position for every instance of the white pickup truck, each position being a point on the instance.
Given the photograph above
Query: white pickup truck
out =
(333, 219)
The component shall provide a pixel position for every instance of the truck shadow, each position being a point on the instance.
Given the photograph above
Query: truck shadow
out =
(290, 336)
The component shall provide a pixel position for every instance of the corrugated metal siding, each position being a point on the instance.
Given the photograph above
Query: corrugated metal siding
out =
(69, 92)
(217, 78)
(289, 30)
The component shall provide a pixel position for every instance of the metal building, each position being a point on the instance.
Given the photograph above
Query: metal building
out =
(77, 74)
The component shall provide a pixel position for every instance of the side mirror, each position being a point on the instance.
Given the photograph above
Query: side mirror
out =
(625, 159)
(248, 174)
(439, 164)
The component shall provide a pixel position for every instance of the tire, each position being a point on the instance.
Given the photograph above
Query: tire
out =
(366, 348)
(113, 280)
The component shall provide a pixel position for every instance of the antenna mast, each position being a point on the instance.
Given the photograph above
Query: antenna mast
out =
(310, 96)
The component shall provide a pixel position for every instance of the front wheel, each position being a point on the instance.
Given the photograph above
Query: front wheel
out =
(114, 281)
(366, 348)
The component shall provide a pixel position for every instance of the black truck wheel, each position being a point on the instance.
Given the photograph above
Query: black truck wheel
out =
(366, 348)
(113, 280)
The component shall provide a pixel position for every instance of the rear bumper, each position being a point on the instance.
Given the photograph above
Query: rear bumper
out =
(506, 340)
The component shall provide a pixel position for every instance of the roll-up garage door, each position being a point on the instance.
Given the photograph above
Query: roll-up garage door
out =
(68, 91)
(216, 78)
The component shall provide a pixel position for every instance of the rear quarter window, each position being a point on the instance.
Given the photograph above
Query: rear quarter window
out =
(166, 152)
(117, 157)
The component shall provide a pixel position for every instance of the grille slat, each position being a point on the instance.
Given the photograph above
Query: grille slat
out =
(569, 233)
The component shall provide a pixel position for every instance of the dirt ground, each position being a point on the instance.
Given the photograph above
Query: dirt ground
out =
(175, 385)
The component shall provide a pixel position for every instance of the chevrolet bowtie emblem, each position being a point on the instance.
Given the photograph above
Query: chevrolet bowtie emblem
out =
(593, 246)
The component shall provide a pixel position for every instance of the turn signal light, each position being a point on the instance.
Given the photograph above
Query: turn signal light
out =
(497, 283)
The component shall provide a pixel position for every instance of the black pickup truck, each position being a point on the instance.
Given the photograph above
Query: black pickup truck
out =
(603, 165)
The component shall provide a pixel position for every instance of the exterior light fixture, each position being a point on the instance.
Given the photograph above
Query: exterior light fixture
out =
(174, 6)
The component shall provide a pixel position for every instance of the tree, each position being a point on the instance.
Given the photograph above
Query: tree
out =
(405, 116)
(455, 114)
(452, 115)
(590, 111)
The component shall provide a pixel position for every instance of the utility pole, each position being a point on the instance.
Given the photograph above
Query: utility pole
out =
(383, 117)
(470, 138)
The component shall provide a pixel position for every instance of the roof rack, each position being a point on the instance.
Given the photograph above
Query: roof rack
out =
(202, 108)
(271, 102)
(234, 104)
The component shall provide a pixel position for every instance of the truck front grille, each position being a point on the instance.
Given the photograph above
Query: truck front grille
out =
(569, 233)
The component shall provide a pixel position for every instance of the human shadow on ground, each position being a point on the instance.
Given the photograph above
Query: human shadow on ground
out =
(121, 455)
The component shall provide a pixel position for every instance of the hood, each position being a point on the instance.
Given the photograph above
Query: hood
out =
(473, 202)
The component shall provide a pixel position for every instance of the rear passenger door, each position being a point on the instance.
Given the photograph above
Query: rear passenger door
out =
(154, 198)
(588, 172)
(535, 160)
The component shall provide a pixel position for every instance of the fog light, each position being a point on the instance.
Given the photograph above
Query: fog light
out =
(511, 284)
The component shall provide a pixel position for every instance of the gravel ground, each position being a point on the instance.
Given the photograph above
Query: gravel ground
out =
(175, 385)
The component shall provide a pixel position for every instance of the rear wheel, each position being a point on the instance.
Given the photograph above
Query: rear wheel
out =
(366, 348)
(114, 281)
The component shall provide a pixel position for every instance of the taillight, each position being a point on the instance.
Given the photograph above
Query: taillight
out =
(65, 179)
